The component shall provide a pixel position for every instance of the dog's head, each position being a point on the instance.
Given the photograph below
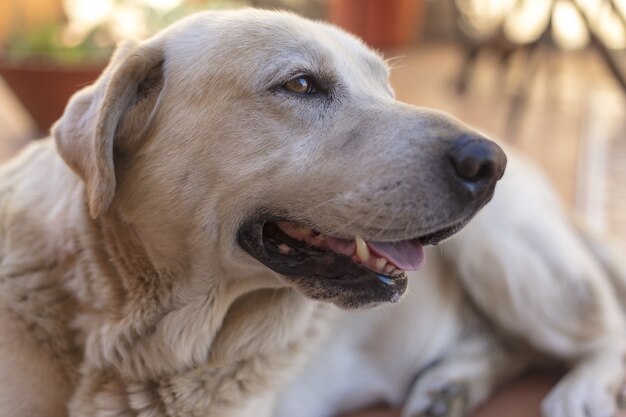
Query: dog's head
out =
(257, 144)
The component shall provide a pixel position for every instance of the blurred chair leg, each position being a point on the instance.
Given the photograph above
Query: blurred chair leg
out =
(467, 67)
(523, 90)
(601, 47)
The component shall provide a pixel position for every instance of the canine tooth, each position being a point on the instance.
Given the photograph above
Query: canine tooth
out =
(389, 268)
(362, 251)
(380, 264)
(283, 248)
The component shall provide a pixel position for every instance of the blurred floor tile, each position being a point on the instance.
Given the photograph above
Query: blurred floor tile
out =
(601, 191)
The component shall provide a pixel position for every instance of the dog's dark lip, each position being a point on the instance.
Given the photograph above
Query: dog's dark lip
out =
(272, 237)
(432, 238)
(439, 235)
(310, 266)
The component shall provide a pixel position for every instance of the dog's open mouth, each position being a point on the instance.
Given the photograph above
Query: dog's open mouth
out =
(355, 271)
(384, 258)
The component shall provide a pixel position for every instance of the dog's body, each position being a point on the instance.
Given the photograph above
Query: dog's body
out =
(129, 284)
(488, 305)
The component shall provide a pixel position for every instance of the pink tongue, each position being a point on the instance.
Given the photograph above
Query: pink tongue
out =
(405, 255)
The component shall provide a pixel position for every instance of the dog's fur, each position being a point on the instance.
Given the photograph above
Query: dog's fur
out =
(124, 292)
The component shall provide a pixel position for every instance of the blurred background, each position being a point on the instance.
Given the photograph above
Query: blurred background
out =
(548, 76)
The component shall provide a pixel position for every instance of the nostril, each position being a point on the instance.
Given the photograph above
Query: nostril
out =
(477, 162)
(471, 168)
(486, 171)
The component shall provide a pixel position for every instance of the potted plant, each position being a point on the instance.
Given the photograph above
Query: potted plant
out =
(380, 23)
(43, 75)
(45, 60)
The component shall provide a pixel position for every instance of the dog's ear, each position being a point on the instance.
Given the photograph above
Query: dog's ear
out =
(111, 115)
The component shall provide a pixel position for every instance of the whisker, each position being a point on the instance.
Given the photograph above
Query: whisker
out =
(393, 217)
(317, 206)
(337, 230)
(391, 60)
(372, 217)
(394, 67)
(337, 197)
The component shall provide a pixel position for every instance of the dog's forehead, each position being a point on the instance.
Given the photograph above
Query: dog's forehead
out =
(263, 42)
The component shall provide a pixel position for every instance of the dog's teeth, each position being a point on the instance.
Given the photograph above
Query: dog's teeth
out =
(389, 269)
(284, 249)
(362, 251)
(380, 264)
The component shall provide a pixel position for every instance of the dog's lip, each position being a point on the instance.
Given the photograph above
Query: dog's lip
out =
(261, 238)
(385, 258)
(433, 236)
(289, 243)
(275, 239)
(442, 233)
(319, 273)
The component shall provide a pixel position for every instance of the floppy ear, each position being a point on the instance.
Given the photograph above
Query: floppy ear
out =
(111, 115)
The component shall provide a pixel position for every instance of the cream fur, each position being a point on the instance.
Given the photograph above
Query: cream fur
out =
(124, 293)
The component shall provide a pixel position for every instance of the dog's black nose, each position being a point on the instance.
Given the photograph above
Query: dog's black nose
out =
(478, 163)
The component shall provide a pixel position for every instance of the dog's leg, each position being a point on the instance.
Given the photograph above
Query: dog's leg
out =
(589, 390)
(607, 256)
(525, 266)
(463, 379)
(589, 380)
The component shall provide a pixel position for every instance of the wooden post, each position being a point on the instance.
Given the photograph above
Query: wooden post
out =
(381, 23)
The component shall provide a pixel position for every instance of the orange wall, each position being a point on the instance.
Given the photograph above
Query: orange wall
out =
(24, 14)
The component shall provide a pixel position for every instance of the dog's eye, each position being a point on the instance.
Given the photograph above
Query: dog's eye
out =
(303, 84)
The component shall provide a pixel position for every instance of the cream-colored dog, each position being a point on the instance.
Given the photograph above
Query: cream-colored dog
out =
(178, 247)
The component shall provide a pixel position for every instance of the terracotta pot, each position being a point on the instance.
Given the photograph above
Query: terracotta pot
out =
(380, 23)
(45, 90)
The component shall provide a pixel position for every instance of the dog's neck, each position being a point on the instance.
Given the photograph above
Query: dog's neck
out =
(166, 326)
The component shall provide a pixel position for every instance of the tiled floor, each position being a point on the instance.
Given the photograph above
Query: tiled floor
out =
(602, 180)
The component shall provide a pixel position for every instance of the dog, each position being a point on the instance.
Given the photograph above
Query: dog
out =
(184, 240)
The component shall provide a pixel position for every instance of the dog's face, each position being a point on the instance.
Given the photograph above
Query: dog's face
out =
(252, 144)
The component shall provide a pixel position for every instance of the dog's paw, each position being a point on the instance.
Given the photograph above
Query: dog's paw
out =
(433, 397)
(580, 398)
(457, 384)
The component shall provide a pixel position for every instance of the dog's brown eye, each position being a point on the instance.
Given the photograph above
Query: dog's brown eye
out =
(301, 85)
